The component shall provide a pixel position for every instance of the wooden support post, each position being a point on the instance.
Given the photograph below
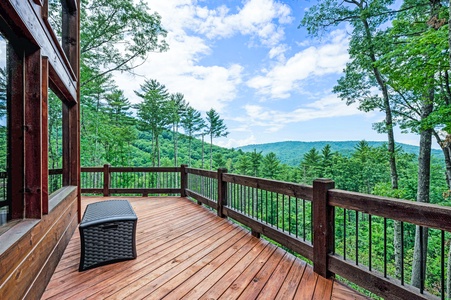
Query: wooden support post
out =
(33, 136)
(323, 226)
(202, 181)
(15, 90)
(183, 180)
(222, 193)
(70, 32)
(45, 135)
(71, 47)
(106, 180)
(255, 233)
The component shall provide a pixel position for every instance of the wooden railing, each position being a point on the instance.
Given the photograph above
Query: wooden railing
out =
(3, 186)
(109, 180)
(325, 225)
(342, 233)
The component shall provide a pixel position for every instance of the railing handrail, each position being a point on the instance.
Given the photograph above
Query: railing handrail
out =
(202, 172)
(437, 217)
(107, 170)
(287, 188)
(130, 169)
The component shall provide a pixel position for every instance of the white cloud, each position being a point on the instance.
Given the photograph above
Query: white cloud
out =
(274, 120)
(278, 52)
(261, 19)
(285, 77)
(230, 142)
(211, 86)
(179, 69)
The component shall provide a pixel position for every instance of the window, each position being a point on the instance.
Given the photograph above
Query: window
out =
(5, 205)
(55, 143)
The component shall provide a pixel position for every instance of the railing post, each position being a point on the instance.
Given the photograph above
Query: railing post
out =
(222, 193)
(323, 226)
(183, 180)
(106, 180)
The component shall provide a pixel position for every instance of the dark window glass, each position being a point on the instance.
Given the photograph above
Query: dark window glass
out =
(5, 205)
(55, 128)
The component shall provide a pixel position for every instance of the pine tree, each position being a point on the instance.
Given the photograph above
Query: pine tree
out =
(178, 108)
(192, 124)
(215, 129)
(153, 113)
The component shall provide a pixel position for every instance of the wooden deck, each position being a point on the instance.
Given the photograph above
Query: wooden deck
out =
(186, 252)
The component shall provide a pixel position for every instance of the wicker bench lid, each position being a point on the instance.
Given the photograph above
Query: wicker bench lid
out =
(108, 211)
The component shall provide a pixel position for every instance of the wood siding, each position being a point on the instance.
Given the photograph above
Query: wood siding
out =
(27, 265)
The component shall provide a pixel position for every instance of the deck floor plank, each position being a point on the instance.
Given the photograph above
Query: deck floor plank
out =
(342, 292)
(179, 264)
(178, 286)
(216, 276)
(290, 285)
(238, 268)
(151, 261)
(323, 289)
(186, 252)
(254, 288)
(277, 278)
(307, 285)
(243, 280)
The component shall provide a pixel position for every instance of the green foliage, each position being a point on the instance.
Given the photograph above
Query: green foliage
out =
(215, 128)
(55, 133)
(116, 35)
(271, 166)
(3, 78)
(192, 124)
(291, 152)
(154, 113)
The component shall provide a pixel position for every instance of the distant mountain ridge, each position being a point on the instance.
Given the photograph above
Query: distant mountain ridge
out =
(291, 152)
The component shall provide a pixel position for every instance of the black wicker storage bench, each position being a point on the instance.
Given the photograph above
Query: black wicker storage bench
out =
(107, 233)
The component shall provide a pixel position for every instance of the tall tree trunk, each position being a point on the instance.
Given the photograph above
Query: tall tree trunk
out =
(153, 148)
(203, 151)
(128, 154)
(397, 241)
(448, 278)
(397, 235)
(157, 146)
(174, 137)
(448, 173)
(445, 145)
(424, 174)
(96, 160)
(189, 150)
(211, 152)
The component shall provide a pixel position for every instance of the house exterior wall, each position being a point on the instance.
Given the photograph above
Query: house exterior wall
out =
(40, 225)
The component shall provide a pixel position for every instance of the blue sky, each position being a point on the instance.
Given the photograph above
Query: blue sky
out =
(249, 61)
